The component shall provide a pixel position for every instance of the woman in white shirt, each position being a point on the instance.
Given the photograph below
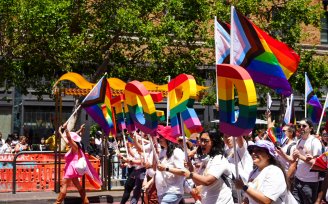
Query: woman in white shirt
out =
(214, 189)
(267, 182)
(6, 148)
(169, 178)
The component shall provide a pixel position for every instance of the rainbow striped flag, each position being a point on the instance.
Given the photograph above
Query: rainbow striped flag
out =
(95, 104)
(130, 139)
(268, 61)
(275, 135)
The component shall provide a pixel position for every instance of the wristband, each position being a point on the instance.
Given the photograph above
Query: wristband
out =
(167, 169)
(245, 188)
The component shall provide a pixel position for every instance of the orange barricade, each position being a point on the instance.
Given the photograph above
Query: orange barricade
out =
(35, 172)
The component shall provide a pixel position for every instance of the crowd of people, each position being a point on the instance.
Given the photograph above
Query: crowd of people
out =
(15, 144)
(162, 168)
(160, 171)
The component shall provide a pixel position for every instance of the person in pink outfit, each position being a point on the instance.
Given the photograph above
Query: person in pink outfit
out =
(71, 158)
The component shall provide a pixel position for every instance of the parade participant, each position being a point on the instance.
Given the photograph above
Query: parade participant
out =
(214, 189)
(75, 152)
(22, 145)
(139, 171)
(267, 182)
(285, 151)
(169, 178)
(308, 147)
(244, 159)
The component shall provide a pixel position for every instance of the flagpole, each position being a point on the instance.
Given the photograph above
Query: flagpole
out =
(305, 107)
(184, 139)
(216, 60)
(168, 102)
(232, 36)
(290, 107)
(155, 155)
(322, 113)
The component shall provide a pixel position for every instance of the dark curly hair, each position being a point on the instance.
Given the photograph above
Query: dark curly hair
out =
(216, 138)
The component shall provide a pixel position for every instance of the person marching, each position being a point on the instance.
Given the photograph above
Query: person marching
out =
(169, 178)
(267, 183)
(214, 189)
(308, 147)
(72, 169)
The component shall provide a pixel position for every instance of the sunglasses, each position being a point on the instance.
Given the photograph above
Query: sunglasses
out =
(284, 130)
(302, 126)
(205, 141)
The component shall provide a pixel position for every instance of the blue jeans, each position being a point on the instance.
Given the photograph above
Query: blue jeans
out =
(168, 198)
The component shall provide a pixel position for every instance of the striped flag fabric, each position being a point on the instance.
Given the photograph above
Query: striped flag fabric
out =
(314, 107)
(275, 135)
(308, 86)
(96, 106)
(268, 61)
(222, 42)
(245, 46)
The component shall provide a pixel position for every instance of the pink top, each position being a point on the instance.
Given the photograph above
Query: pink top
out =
(70, 162)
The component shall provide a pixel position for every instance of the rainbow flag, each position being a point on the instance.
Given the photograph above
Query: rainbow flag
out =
(275, 135)
(268, 61)
(130, 139)
(95, 104)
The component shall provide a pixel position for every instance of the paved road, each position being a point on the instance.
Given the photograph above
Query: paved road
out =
(72, 197)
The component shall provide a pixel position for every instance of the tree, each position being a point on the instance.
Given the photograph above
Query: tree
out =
(140, 39)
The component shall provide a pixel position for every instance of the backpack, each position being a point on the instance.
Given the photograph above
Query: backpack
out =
(229, 182)
(290, 147)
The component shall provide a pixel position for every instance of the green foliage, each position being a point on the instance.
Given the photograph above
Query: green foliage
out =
(131, 40)
(209, 98)
(93, 129)
(317, 71)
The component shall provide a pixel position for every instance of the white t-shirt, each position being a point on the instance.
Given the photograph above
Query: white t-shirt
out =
(218, 192)
(245, 161)
(310, 146)
(271, 182)
(167, 182)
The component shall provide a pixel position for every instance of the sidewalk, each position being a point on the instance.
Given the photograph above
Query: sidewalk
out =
(113, 197)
